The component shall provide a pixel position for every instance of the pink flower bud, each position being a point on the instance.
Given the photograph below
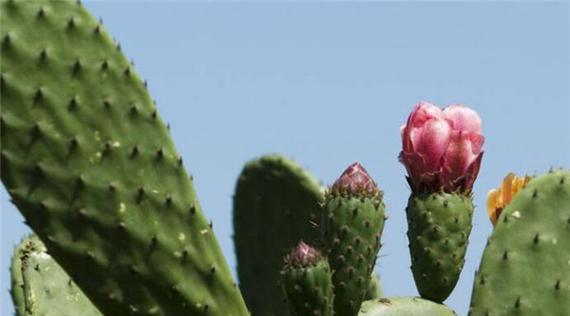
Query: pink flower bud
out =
(442, 149)
(355, 180)
(303, 255)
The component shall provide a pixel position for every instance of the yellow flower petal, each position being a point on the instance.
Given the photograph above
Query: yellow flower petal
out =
(499, 198)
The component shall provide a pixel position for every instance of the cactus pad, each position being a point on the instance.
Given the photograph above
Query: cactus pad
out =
(41, 287)
(276, 205)
(404, 306)
(92, 168)
(525, 269)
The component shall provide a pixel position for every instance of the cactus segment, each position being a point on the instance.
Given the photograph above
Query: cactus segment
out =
(404, 306)
(307, 284)
(374, 288)
(92, 168)
(276, 204)
(525, 269)
(41, 287)
(439, 225)
(353, 220)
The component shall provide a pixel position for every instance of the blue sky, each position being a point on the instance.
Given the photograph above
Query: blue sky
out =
(331, 83)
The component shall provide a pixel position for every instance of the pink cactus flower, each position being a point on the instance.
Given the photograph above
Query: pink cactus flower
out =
(441, 149)
(303, 255)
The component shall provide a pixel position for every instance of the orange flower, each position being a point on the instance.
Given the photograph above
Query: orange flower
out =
(498, 199)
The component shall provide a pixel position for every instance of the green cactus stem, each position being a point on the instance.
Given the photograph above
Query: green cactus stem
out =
(525, 269)
(439, 225)
(276, 204)
(92, 167)
(306, 281)
(353, 220)
(404, 306)
(41, 287)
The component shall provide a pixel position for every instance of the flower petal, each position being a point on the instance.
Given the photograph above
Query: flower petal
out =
(463, 118)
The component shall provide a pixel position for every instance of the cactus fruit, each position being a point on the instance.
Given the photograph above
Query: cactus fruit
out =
(41, 287)
(438, 228)
(353, 220)
(306, 281)
(276, 204)
(525, 266)
(442, 152)
(404, 306)
(92, 168)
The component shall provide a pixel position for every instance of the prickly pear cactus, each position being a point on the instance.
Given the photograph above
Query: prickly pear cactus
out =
(439, 225)
(91, 166)
(404, 306)
(41, 287)
(307, 284)
(276, 205)
(353, 220)
(525, 268)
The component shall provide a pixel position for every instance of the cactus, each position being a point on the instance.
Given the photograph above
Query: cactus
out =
(353, 220)
(276, 204)
(307, 283)
(438, 228)
(92, 168)
(404, 306)
(41, 287)
(525, 266)
(442, 152)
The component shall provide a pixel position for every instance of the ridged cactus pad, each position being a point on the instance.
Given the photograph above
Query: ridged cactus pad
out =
(404, 306)
(439, 225)
(91, 166)
(41, 287)
(276, 204)
(525, 268)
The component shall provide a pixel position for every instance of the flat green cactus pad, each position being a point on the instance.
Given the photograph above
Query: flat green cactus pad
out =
(92, 168)
(404, 306)
(525, 268)
(41, 287)
(275, 206)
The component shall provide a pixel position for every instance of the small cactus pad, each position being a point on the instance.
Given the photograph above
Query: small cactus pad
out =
(92, 168)
(439, 225)
(525, 269)
(41, 287)
(276, 204)
(374, 288)
(404, 306)
(353, 220)
(307, 284)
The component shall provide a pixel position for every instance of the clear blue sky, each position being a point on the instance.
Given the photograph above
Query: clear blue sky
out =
(328, 84)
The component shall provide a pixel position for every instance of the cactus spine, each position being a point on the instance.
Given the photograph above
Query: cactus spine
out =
(306, 281)
(352, 224)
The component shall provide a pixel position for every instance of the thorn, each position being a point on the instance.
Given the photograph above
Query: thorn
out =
(7, 39)
(73, 143)
(97, 29)
(112, 187)
(534, 194)
(179, 161)
(153, 115)
(72, 104)
(506, 255)
(557, 285)
(71, 23)
(134, 110)
(159, 154)
(127, 71)
(39, 95)
(104, 64)
(535, 239)
(135, 151)
(192, 210)
(43, 55)
(168, 200)
(76, 66)
(41, 13)
(518, 302)
(106, 104)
